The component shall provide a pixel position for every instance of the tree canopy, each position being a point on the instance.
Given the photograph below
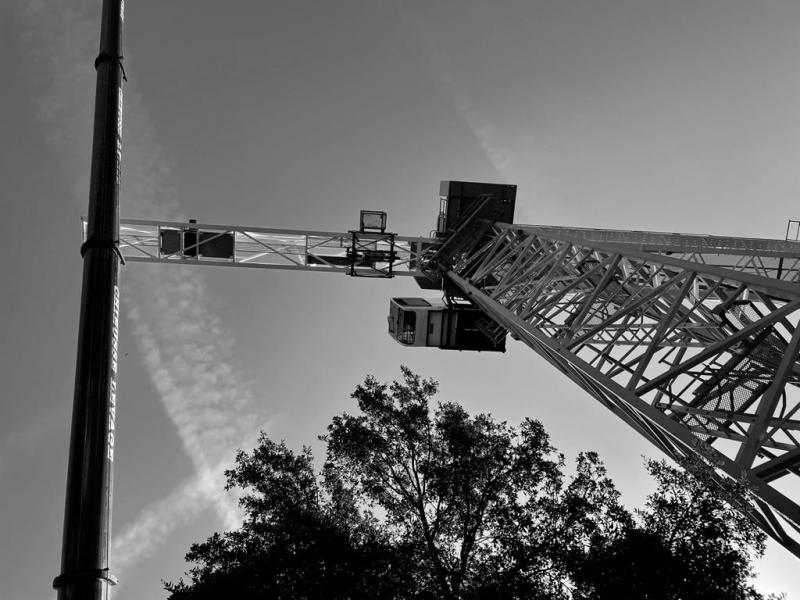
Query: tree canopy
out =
(416, 501)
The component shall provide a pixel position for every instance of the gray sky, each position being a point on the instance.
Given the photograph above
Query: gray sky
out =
(656, 115)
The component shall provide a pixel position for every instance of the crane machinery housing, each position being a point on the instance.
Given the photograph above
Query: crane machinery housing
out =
(692, 340)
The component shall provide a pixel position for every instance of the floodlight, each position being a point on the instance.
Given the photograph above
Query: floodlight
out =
(373, 220)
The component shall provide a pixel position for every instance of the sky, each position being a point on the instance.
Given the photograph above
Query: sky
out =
(663, 115)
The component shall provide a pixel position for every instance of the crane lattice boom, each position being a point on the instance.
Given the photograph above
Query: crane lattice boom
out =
(358, 253)
(692, 340)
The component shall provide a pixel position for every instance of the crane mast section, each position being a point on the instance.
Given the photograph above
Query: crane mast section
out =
(691, 340)
(357, 253)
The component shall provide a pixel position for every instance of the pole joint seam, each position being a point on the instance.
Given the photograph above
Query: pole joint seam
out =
(93, 242)
(106, 57)
(84, 576)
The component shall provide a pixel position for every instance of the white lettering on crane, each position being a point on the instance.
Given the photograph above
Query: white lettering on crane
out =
(119, 109)
(112, 403)
(118, 149)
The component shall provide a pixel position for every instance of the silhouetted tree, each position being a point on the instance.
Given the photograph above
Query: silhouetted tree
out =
(687, 544)
(420, 503)
(300, 539)
(482, 504)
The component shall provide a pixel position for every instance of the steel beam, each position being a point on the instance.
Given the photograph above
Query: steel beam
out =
(85, 570)
(679, 349)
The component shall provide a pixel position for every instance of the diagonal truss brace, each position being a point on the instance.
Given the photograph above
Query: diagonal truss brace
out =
(696, 354)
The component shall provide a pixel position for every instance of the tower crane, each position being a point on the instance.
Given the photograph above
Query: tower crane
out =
(692, 340)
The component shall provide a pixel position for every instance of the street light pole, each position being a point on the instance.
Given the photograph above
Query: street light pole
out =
(85, 571)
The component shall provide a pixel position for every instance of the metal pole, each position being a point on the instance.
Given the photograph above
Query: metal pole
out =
(85, 571)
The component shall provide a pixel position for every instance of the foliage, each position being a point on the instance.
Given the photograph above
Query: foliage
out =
(300, 539)
(415, 502)
(686, 544)
(482, 504)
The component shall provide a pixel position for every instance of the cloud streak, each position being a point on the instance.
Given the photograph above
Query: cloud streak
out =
(180, 507)
(492, 141)
(184, 346)
(498, 156)
(487, 136)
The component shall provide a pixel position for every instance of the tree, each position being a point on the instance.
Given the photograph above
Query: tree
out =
(484, 505)
(455, 489)
(300, 539)
(687, 543)
(415, 502)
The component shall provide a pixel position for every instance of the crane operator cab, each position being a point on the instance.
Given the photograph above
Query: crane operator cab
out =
(432, 323)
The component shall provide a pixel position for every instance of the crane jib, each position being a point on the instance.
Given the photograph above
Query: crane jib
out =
(688, 339)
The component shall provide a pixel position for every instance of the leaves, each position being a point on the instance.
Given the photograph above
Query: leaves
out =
(477, 499)
(426, 501)
(301, 539)
(686, 544)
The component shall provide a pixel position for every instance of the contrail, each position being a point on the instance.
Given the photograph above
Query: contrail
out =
(185, 503)
(185, 348)
(484, 134)
(178, 508)
(497, 154)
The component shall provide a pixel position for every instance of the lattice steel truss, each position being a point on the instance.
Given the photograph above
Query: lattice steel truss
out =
(377, 254)
(691, 340)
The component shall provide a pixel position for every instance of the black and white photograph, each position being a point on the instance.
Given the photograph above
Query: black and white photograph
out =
(400, 300)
